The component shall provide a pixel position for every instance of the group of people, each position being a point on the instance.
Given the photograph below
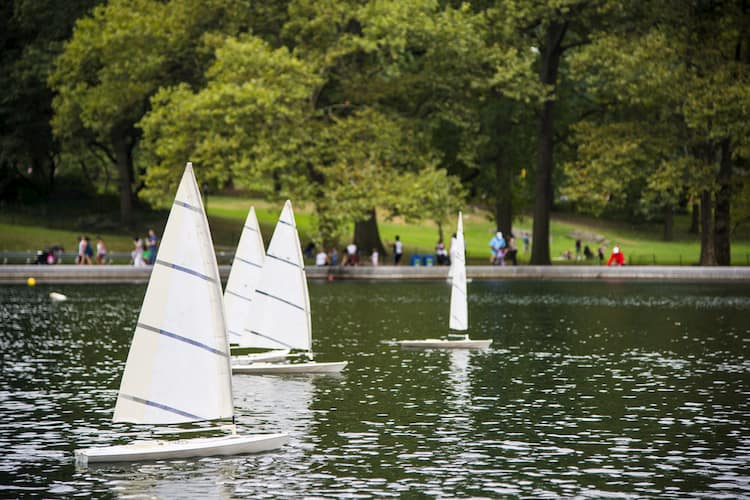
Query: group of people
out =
(616, 258)
(144, 252)
(352, 255)
(502, 249)
(86, 251)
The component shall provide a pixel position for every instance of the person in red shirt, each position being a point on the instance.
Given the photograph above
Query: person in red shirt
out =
(617, 257)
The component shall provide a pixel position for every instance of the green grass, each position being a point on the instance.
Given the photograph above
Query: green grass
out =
(641, 243)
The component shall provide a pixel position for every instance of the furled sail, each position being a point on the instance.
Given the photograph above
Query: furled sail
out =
(459, 319)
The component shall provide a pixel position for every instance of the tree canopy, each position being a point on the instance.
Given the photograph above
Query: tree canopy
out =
(413, 108)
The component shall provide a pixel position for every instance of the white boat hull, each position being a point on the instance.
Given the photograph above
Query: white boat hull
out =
(183, 448)
(260, 357)
(445, 344)
(280, 368)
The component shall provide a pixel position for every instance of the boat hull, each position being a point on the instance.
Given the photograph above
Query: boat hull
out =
(183, 448)
(445, 344)
(281, 368)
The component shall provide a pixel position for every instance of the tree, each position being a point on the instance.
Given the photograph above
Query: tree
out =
(553, 28)
(32, 36)
(672, 66)
(119, 57)
(344, 118)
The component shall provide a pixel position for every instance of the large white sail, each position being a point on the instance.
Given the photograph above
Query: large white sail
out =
(243, 278)
(279, 314)
(459, 319)
(178, 367)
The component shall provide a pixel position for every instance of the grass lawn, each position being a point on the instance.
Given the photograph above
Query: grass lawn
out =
(641, 243)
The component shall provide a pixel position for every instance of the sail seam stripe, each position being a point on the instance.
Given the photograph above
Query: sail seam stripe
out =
(185, 270)
(230, 292)
(188, 206)
(160, 406)
(250, 228)
(235, 333)
(248, 262)
(287, 223)
(279, 299)
(283, 260)
(270, 338)
(182, 339)
(459, 290)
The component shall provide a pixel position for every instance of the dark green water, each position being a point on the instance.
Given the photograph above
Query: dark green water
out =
(591, 389)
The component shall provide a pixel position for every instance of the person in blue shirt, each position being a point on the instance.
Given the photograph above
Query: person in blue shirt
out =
(497, 244)
(152, 242)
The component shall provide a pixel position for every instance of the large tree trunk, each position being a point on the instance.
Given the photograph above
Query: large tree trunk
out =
(695, 219)
(668, 223)
(722, 228)
(551, 54)
(367, 235)
(124, 162)
(708, 254)
(503, 193)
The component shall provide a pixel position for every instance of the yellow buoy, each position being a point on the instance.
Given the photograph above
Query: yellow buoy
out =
(31, 282)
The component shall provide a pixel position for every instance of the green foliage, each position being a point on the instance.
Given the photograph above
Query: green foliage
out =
(665, 98)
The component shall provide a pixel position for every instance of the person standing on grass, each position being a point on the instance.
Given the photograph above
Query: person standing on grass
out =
(398, 250)
(101, 250)
(83, 250)
(321, 258)
(152, 242)
(138, 252)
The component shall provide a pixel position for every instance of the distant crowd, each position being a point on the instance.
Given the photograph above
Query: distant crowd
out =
(503, 251)
(616, 257)
(143, 254)
(352, 255)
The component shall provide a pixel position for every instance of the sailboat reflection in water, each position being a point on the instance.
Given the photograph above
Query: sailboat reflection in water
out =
(178, 369)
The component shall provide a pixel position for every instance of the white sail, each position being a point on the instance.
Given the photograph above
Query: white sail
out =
(178, 367)
(279, 314)
(243, 278)
(459, 319)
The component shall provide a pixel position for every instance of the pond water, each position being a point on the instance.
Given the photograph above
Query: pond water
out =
(591, 389)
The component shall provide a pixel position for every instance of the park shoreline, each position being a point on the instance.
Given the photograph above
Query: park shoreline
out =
(65, 274)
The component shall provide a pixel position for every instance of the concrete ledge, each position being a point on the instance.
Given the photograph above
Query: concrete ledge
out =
(60, 274)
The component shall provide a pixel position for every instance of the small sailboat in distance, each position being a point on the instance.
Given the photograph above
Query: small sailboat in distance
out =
(238, 294)
(459, 312)
(178, 368)
(279, 315)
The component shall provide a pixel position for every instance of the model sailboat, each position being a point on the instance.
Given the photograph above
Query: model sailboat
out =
(238, 294)
(178, 368)
(279, 315)
(459, 314)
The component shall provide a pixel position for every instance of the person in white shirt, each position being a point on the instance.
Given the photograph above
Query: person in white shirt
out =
(398, 250)
(351, 254)
(321, 259)
(375, 257)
